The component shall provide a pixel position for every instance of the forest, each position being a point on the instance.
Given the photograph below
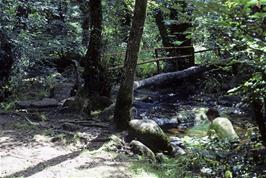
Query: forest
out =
(132, 88)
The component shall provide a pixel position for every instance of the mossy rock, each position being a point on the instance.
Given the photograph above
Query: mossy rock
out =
(139, 148)
(150, 134)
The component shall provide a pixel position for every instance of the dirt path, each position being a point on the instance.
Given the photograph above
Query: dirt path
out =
(28, 152)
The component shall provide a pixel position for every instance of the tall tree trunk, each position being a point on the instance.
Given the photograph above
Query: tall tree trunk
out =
(85, 21)
(124, 100)
(94, 74)
(171, 65)
(6, 62)
(176, 31)
(159, 19)
(258, 116)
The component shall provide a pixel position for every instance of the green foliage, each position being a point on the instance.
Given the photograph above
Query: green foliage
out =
(146, 70)
(208, 57)
(237, 28)
(253, 89)
(39, 34)
(205, 158)
(182, 166)
(8, 105)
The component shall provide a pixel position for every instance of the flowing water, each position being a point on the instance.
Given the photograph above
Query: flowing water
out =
(177, 114)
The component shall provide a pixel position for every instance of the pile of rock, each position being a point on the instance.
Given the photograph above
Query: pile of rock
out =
(147, 138)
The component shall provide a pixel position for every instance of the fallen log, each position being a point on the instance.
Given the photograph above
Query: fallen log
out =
(43, 103)
(163, 78)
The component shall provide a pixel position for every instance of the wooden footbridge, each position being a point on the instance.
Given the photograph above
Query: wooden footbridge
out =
(158, 58)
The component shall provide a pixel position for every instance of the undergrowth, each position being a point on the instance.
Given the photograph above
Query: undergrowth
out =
(209, 158)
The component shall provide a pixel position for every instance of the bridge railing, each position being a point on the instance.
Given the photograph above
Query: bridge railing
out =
(158, 59)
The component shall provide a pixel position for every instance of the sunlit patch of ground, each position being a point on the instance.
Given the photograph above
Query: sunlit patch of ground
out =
(24, 154)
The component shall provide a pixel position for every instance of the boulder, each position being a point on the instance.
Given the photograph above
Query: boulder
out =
(190, 117)
(62, 91)
(150, 134)
(141, 149)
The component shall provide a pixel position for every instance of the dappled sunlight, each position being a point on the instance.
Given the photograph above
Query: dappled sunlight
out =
(132, 89)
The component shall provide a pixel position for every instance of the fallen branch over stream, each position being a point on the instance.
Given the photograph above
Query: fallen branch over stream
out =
(163, 78)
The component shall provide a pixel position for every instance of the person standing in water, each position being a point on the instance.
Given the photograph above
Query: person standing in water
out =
(221, 126)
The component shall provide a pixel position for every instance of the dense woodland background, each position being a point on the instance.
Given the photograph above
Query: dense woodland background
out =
(89, 55)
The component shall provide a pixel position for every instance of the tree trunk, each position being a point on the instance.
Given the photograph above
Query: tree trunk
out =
(6, 62)
(176, 31)
(125, 95)
(159, 19)
(94, 74)
(85, 24)
(258, 116)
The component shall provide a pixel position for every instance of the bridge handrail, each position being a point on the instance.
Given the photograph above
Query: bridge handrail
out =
(163, 58)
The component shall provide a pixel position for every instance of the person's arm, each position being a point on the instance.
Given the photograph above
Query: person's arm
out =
(211, 131)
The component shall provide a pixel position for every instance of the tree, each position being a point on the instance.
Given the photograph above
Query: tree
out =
(123, 106)
(6, 61)
(85, 24)
(174, 33)
(95, 80)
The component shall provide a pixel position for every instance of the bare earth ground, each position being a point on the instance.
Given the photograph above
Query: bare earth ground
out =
(29, 152)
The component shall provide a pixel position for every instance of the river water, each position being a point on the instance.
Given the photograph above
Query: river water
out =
(181, 114)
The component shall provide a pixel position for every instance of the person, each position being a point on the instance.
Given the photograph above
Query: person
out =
(221, 126)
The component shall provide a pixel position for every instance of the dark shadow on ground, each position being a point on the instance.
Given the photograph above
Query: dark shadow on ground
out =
(94, 145)
(43, 165)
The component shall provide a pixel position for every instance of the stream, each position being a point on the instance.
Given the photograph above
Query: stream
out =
(180, 114)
